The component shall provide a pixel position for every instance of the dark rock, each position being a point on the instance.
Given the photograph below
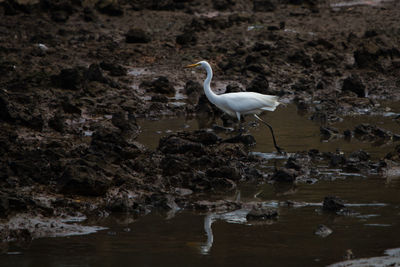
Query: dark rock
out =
(284, 175)
(246, 139)
(70, 108)
(193, 90)
(264, 5)
(111, 8)
(292, 163)
(323, 231)
(258, 212)
(301, 58)
(137, 36)
(337, 160)
(124, 122)
(187, 38)
(173, 145)
(328, 132)
(219, 205)
(94, 74)
(173, 165)
(258, 46)
(204, 137)
(9, 8)
(354, 84)
(69, 78)
(367, 56)
(370, 33)
(59, 16)
(89, 15)
(84, 180)
(319, 117)
(161, 86)
(169, 5)
(359, 155)
(233, 88)
(333, 203)
(223, 4)
(159, 98)
(228, 172)
(5, 106)
(259, 84)
(366, 131)
(114, 69)
(57, 122)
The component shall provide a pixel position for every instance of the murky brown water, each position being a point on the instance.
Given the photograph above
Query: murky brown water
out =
(194, 239)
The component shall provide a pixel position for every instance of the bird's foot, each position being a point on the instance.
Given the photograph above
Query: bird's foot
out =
(280, 150)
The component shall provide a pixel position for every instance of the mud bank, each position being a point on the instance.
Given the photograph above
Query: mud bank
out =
(75, 75)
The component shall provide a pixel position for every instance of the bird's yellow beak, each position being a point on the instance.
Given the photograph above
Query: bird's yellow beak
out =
(192, 65)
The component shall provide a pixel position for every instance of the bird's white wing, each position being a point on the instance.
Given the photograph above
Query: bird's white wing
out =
(243, 102)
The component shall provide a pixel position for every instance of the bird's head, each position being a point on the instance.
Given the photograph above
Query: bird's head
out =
(203, 64)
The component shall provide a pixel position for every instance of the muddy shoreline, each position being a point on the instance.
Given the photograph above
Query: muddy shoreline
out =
(75, 75)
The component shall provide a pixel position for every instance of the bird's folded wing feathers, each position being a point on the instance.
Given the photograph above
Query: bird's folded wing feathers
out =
(247, 101)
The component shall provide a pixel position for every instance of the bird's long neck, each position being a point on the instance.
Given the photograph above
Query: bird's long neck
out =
(207, 88)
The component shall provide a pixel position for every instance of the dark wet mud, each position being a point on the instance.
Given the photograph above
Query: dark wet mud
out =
(99, 118)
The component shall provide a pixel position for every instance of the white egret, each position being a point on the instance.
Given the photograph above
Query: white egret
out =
(241, 103)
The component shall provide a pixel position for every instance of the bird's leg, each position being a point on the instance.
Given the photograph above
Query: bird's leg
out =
(272, 133)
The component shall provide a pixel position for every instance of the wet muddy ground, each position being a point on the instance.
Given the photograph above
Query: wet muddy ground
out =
(98, 117)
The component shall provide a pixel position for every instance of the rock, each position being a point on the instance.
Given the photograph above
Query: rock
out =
(137, 36)
(337, 160)
(193, 90)
(284, 175)
(228, 172)
(233, 88)
(259, 84)
(202, 136)
(111, 8)
(264, 5)
(161, 86)
(187, 38)
(57, 122)
(69, 107)
(94, 73)
(258, 212)
(159, 98)
(246, 139)
(301, 58)
(89, 15)
(223, 4)
(354, 84)
(367, 56)
(70, 78)
(114, 69)
(292, 163)
(333, 203)
(323, 231)
(328, 132)
(59, 16)
(173, 165)
(217, 206)
(366, 131)
(83, 180)
(125, 122)
(173, 145)
(359, 155)
(5, 109)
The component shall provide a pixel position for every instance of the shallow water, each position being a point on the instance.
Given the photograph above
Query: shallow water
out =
(200, 239)
(294, 132)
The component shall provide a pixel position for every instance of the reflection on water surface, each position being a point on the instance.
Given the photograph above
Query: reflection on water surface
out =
(228, 239)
